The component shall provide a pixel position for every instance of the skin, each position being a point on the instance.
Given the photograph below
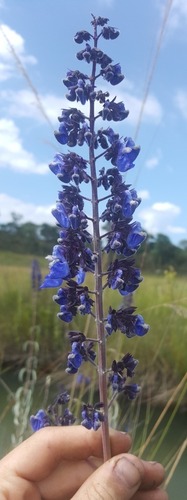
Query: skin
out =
(61, 463)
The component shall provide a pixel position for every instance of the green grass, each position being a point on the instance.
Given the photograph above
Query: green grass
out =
(161, 299)
(158, 432)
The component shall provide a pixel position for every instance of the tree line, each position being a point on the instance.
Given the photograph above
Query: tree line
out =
(156, 254)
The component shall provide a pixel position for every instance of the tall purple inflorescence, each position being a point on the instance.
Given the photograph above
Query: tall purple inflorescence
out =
(79, 251)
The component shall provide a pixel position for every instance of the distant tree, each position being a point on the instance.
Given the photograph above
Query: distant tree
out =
(183, 244)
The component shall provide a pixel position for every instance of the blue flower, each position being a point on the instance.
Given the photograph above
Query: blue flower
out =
(59, 270)
(80, 351)
(123, 276)
(131, 390)
(55, 411)
(129, 363)
(140, 327)
(62, 134)
(73, 299)
(117, 379)
(82, 36)
(130, 324)
(125, 238)
(135, 237)
(109, 33)
(123, 203)
(85, 305)
(39, 420)
(113, 111)
(92, 416)
(111, 135)
(69, 167)
(80, 276)
(123, 153)
(60, 215)
(127, 154)
(74, 359)
(65, 314)
(112, 73)
(74, 123)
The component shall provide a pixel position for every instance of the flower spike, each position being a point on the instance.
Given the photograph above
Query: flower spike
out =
(77, 257)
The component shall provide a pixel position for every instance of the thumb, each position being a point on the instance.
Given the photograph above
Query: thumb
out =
(117, 479)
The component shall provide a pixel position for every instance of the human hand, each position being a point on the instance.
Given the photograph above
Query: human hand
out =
(59, 462)
(54, 462)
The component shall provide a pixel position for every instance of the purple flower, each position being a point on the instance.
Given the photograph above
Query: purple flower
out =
(62, 134)
(125, 238)
(123, 276)
(136, 236)
(92, 416)
(113, 111)
(130, 324)
(122, 204)
(129, 363)
(74, 358)
(69, 167)
(82, 36)
(55, 411)
(73, 299)
(112, 73)
(117, 379)
(58, 269)
(127, 154)
(80, 276)
(109, 33)
(131, 390)
(39, 420)
(80, 351)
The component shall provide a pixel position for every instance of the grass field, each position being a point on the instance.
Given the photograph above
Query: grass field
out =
(157, 420)
(161, 299)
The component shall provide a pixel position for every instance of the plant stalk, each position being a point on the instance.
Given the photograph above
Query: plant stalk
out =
(98, 279)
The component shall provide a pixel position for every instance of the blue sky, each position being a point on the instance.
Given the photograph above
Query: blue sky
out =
(32, 95)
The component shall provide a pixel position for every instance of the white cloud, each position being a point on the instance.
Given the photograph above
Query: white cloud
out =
(180, 101)
(22, 103)
(7, 62)
(152, 162)
(38, 214)
(12, 152)
(177, 19)
(178, 14)
(177, 230)
(152, 111)
(144, 194)
(159, 217)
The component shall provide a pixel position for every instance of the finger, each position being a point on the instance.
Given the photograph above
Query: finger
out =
(41, 453)
(153, 476)
(67, 478)
(152, 494)
(120, 478)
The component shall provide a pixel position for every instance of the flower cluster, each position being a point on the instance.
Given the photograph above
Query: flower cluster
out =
(117, 379)
(92, 416)
(128, 323)
(78, 251)
(53, 415)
